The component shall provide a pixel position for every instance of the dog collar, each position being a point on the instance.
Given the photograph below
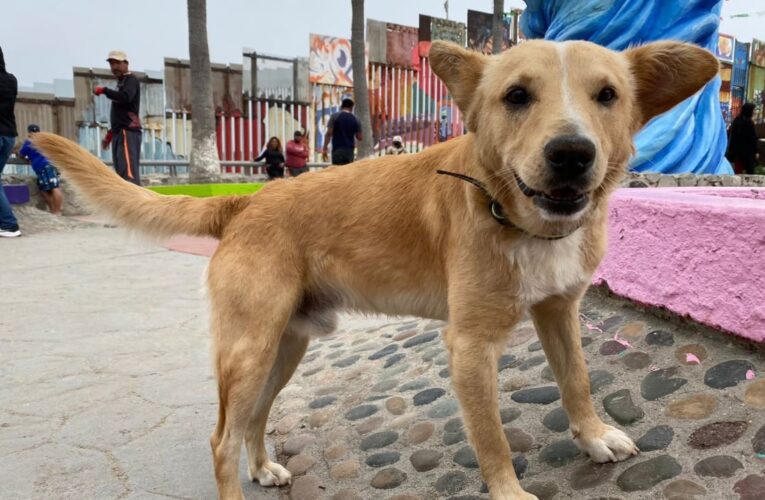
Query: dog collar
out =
(496, 209)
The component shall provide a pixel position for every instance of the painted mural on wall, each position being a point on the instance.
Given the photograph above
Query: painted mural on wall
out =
(479, 32)
(326, 101)
(758, 52)
(401, 44)
(724, 48)
(435, 28)
(689, 138)
(330, 61)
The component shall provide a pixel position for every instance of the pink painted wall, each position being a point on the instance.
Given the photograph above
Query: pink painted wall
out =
(699, 252)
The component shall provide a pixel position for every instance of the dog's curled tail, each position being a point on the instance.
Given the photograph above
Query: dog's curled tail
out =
(132, 206)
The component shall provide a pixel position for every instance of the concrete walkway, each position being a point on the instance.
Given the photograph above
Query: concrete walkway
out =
(106, 391)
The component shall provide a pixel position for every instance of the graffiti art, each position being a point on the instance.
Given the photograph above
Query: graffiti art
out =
(330, 61)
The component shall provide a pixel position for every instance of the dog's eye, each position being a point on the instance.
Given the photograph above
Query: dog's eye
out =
(606, 95)
(517, 96)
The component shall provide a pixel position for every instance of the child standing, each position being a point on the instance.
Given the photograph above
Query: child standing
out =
(47, 176)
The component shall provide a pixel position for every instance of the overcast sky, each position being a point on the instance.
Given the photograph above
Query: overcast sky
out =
(44, 39)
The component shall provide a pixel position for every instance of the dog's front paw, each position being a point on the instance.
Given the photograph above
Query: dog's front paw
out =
(613, 445)
(272, 474)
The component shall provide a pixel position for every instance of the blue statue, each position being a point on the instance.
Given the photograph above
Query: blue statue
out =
(689, 138)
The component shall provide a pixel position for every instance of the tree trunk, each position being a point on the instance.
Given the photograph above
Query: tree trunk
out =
(497, 26)
(360, 93)
(203, 166)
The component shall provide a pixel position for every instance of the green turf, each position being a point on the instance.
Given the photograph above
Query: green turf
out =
(205, 190)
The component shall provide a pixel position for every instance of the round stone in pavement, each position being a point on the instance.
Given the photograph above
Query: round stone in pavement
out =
(321, 402)
(396, 405)
(306, 488)
(559, 453)
(755, 395)
(599, 379)
(694, 407)
(378, 440)
(346, 495)
(453, 425)
(718, 466)
(556, 420)
(611, 347)
(296, 444)
(369, 425)
(345, 470)
(455, 437)
(543, 491)
(443, 409)
(632, 330)
(508, 361)
(518, 440)
(444, 373)
(420, 432)
(509, 414)
(750, 488)
(535, 346)
(537, 395)
(590, 475)
(383, 459)
(420, 339)
(698, 350)
(683, 489)
(404, 335)
(414, 385)
(299, 464)
(465, 457)
(346, 362)
(531, 362)
(656, 438)
(390, 349)
(451, 482)
(646, 475)
(388, 478)
(520, 465)
(611, 323)
(660, 338)
(362, 411)
(547, 374)
(661, 383)
(636, 360)
(758, 441)
(621, 408)
(385, 385)
(727, 373)
(425, 460)
(716, 434)
(428, 396)
(394, 359)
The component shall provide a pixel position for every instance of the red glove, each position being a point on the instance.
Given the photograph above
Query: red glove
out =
(107, 140)
(99, 90)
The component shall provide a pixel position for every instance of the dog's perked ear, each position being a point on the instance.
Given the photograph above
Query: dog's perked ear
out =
(460, 70)
(666, 73)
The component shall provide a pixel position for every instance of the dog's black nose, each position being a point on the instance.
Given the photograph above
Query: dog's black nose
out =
(570, 156)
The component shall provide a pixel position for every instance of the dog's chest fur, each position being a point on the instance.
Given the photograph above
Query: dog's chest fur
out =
(545, 268)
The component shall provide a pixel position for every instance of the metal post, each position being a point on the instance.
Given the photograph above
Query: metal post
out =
(185, 136)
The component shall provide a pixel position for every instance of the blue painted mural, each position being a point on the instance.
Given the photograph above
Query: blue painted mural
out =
(690, 138)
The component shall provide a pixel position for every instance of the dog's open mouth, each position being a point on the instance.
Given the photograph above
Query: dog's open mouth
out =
(559, 201)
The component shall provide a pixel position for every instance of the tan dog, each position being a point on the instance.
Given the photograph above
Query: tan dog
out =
(551, 129)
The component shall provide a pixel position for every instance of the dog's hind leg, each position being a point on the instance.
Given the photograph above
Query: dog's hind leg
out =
(248, 323)
(292, 347)
(557, 323)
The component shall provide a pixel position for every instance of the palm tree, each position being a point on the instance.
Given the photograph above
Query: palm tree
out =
(497, 26)
(203, 166)
(360, 93)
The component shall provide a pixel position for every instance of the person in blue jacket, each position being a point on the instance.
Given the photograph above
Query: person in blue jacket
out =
(47, 176)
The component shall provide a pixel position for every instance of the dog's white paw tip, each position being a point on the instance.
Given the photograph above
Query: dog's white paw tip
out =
(612, 446)
(272, 474)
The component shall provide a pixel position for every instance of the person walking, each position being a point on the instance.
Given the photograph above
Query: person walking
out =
(9, 225)
(274, 159)
(297, 154)
(343, 130)
(742, 141)
(125, 133)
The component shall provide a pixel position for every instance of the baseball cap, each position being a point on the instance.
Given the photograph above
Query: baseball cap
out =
(33, 128)
(117, 55)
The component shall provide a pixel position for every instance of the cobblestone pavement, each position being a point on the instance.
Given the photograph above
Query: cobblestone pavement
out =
(106, 392)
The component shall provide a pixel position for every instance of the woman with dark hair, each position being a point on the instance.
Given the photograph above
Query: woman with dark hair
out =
(742, 141)
(274, 159)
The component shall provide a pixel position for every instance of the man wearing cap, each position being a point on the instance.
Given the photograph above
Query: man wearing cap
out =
(125, 133)
(297, 154)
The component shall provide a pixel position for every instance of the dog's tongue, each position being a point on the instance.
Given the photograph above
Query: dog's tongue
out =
(565, 193)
